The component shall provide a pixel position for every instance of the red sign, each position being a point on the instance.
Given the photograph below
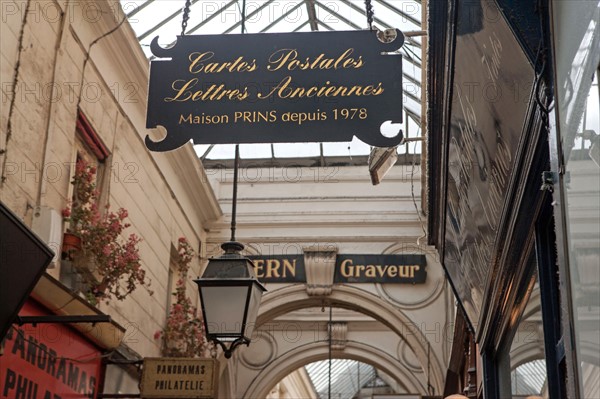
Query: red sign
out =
(49, 361)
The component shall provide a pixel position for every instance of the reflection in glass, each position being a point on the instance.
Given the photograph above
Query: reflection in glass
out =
(583, 217)
(577, 38)
(527, 359)
(529, 378)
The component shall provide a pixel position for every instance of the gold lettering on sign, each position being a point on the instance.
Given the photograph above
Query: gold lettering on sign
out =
(346, 268)
(289, 267)
(255, 116)
(392, 271)
(349, 270)
(284, 89)
(301, 117)
(274, 268)
(198, 64)
(183, 92)
(204, 63)
(203, 119)
(288, 59)
(259, 264)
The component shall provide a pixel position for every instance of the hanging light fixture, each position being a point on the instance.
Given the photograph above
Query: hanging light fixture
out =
(230, 293)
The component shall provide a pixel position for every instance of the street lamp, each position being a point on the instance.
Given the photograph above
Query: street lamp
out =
(230, 293)
(230, 296)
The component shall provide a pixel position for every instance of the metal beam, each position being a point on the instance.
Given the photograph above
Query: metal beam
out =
(411, 79)
(409, 58)
(414, 33)
(140, 8)
(412, 97)
(399, 11)
(324, 25)
(282, 17)
(207, 20)
(204, 22)
(312, 15)
(253, 13)
(298, 28)
(337, 15)
(208, 150)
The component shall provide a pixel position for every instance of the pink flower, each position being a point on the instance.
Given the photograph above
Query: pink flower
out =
(183, 335)
(117, 259)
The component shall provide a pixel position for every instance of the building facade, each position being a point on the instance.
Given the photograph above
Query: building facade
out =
(321, 214)
(74, 83)
(74, 88)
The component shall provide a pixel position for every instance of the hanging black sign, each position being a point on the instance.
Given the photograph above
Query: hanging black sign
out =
(277, 88)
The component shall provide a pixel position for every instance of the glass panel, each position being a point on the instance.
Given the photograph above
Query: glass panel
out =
(348, 377)
(354, 148)
(225, 151)
(297, 150)
(577, 39)
(255, 151)
(529, 378)
(523, 369)
(120, 380)
(201, 149)
(255, 299)
(224, 309)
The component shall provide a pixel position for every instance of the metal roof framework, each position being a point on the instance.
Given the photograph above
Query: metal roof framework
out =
(162, 18)
(348, 377)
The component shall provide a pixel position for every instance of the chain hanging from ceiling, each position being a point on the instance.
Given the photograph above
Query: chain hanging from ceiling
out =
(370, 13)
(186, 16)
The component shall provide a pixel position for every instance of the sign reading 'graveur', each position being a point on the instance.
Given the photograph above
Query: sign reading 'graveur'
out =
(273, 88)
(383, 269)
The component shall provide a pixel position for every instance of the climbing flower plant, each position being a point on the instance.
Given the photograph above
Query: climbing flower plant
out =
(113, 263)
(183, 334)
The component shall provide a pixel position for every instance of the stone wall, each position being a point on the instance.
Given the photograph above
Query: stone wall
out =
(58, 59)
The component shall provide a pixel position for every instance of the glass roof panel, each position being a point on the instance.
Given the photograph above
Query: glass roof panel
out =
(354, 148)
(222, 151)
(348, 377)
(529, 378)
(255, 151)
(162, 18)
(298, 150)
(201, 149)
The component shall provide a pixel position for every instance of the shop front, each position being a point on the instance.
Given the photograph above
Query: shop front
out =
(48, 361)
(510, 112)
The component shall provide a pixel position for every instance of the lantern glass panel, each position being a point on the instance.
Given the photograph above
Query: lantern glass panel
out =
(224, 309)
(255, 298)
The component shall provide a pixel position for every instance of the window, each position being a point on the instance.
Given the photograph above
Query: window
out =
(522, 364)
(89, 148)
